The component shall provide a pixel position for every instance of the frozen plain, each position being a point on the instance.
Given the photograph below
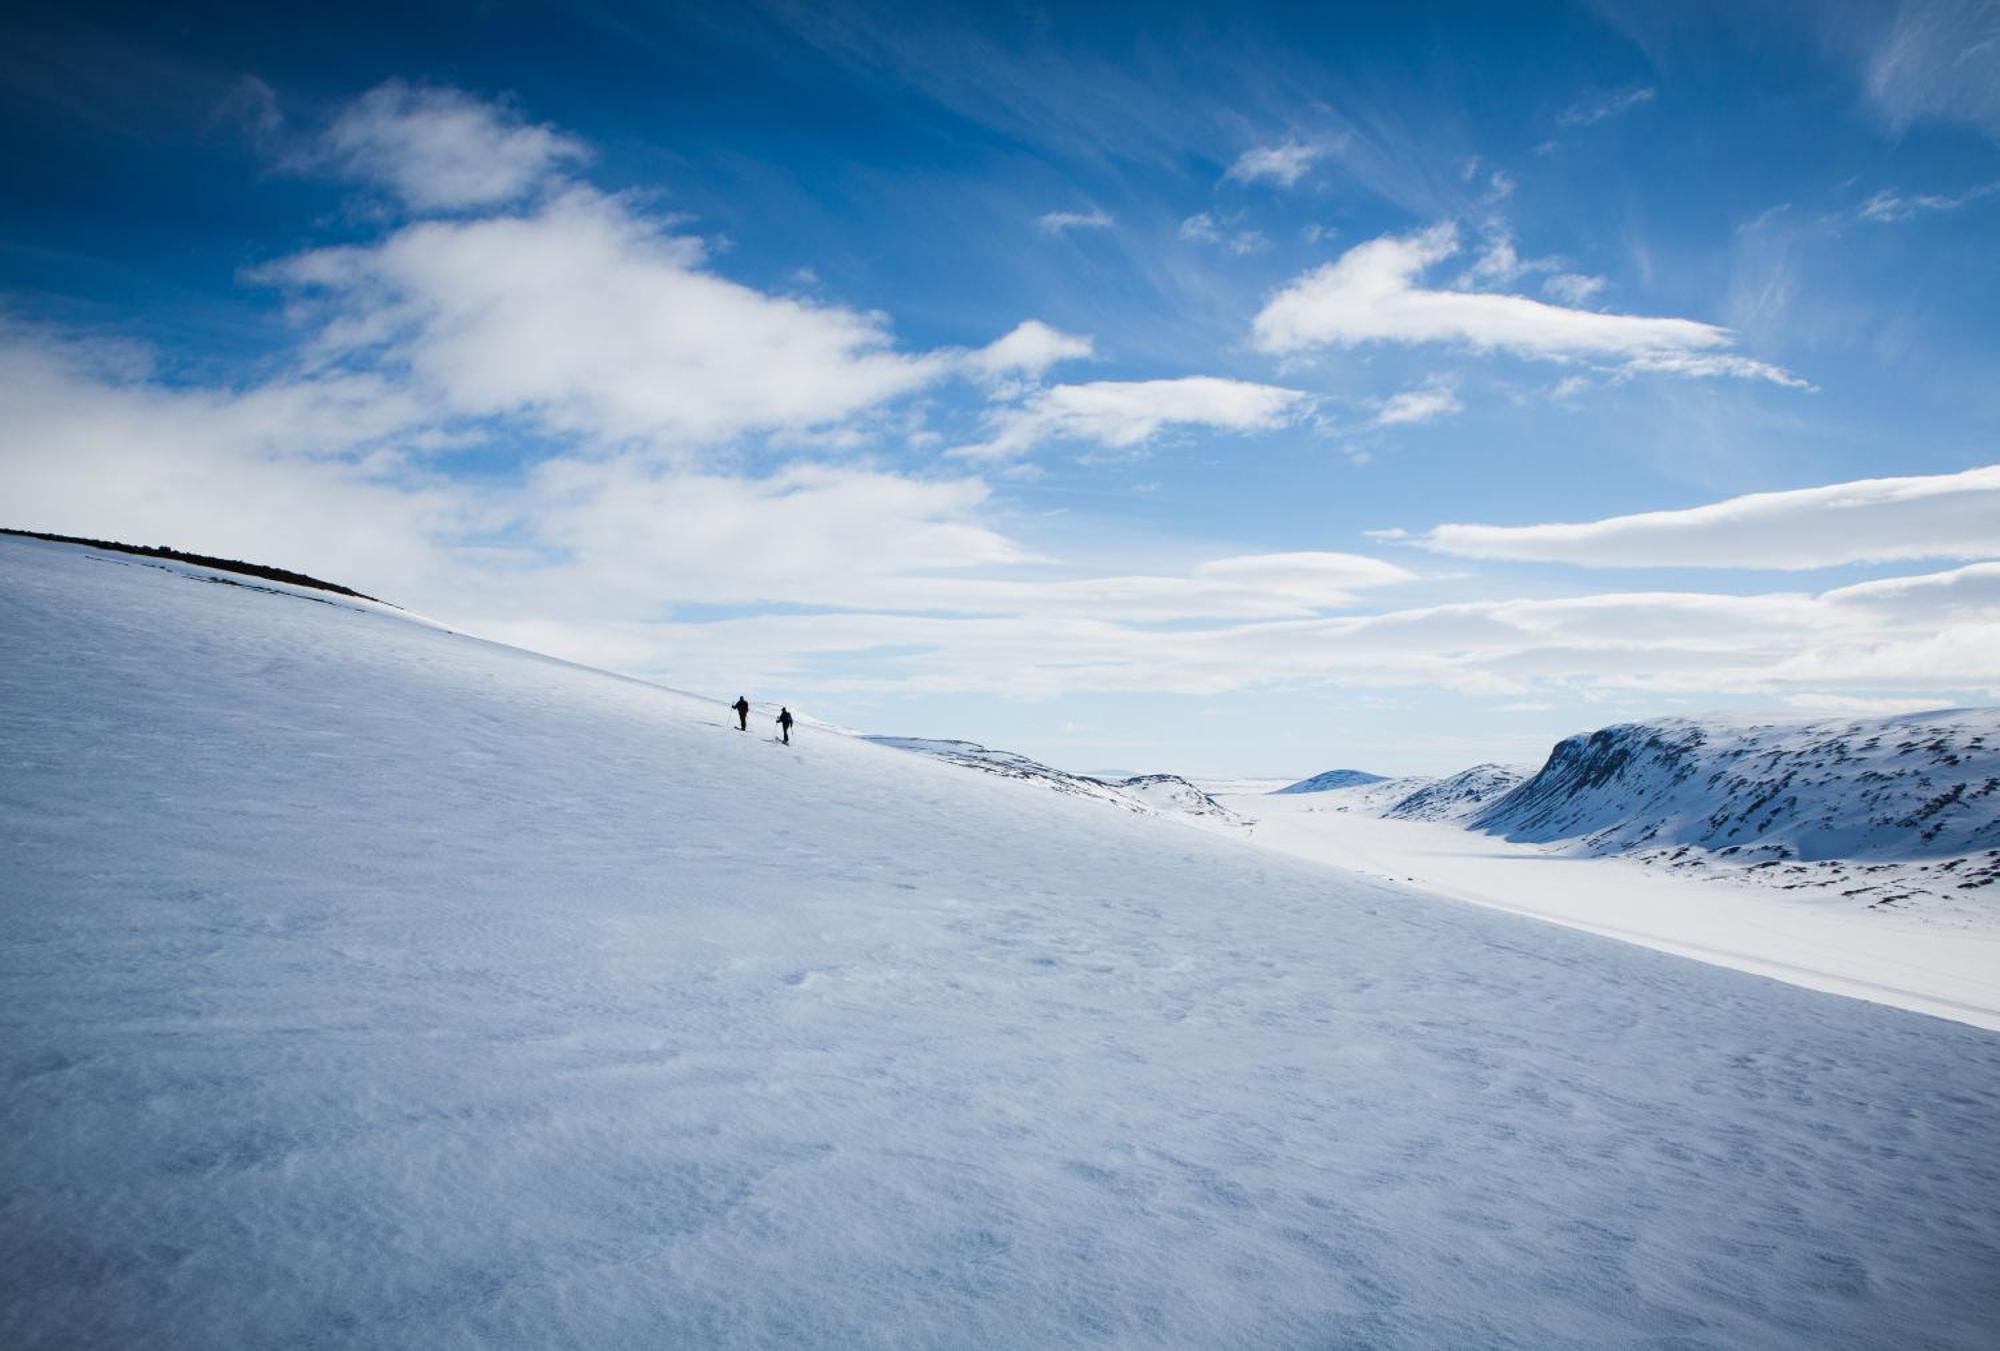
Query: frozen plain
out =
(364, 984)
(1947, 964)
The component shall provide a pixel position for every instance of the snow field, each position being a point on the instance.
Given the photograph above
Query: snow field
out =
(368, 985)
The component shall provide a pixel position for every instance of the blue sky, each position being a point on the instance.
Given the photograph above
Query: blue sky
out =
(1252, 389)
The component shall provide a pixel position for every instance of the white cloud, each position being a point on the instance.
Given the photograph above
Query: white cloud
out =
(331, 474)
(1029, 350)
(1122, 414)
(1422, 404)
(624, 536)
(1255, 586)
(1866, 521)
(1861, 706)
(1284, 164)
(1060, 222)
(1779, 645)
(591, 319)
(1887, 207)
(1573, 288)
(1371, 294)
(312, 472)
(444, 150)
(1598, 107)
(334, 475)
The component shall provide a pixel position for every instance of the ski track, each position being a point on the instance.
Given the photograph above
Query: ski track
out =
(368, 985)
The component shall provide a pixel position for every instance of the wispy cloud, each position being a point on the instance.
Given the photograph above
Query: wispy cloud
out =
(1061, 222)
(1865, 521)
(1125, 414)
(1498, 263)
(1597, 108)
(1931, 58)
(1284, 164)
(1204, 228)
(1888, 206)
(1371, 294)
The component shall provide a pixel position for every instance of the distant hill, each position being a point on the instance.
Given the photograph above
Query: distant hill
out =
(1823, 802)
(260, 570)
(1332, 778)
(1458, 796)
(1163, 793)
(1172, 793)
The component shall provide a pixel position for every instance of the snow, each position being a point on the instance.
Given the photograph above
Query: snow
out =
(1255, 784)
(366, 984)
(1899, 787)
(1908, 960)
(1010, 765)
(1373, 798)
(1169, 794)
(1458, 796)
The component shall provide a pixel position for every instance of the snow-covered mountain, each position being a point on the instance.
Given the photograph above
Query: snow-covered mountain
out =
(1457, 796)
(1373, 797)
(1166, 793)
(1815, 803)
(370, 985)
(1331, 779)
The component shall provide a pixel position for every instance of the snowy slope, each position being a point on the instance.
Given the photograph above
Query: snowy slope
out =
(1457, 796)
(1915, 796)
(366, 985)
(1008, 765)
(1166, 793)
(1329, 779)
(1172, 794)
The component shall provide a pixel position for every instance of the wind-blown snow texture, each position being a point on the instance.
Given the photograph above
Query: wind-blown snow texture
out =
(1329, 779)
(1924, 786)
(368, 985)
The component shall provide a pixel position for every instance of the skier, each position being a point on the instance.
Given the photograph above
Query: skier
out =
(785, 723)
(742, 707)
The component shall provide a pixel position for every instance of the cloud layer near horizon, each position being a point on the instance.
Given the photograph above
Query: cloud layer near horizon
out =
(1867, 521)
